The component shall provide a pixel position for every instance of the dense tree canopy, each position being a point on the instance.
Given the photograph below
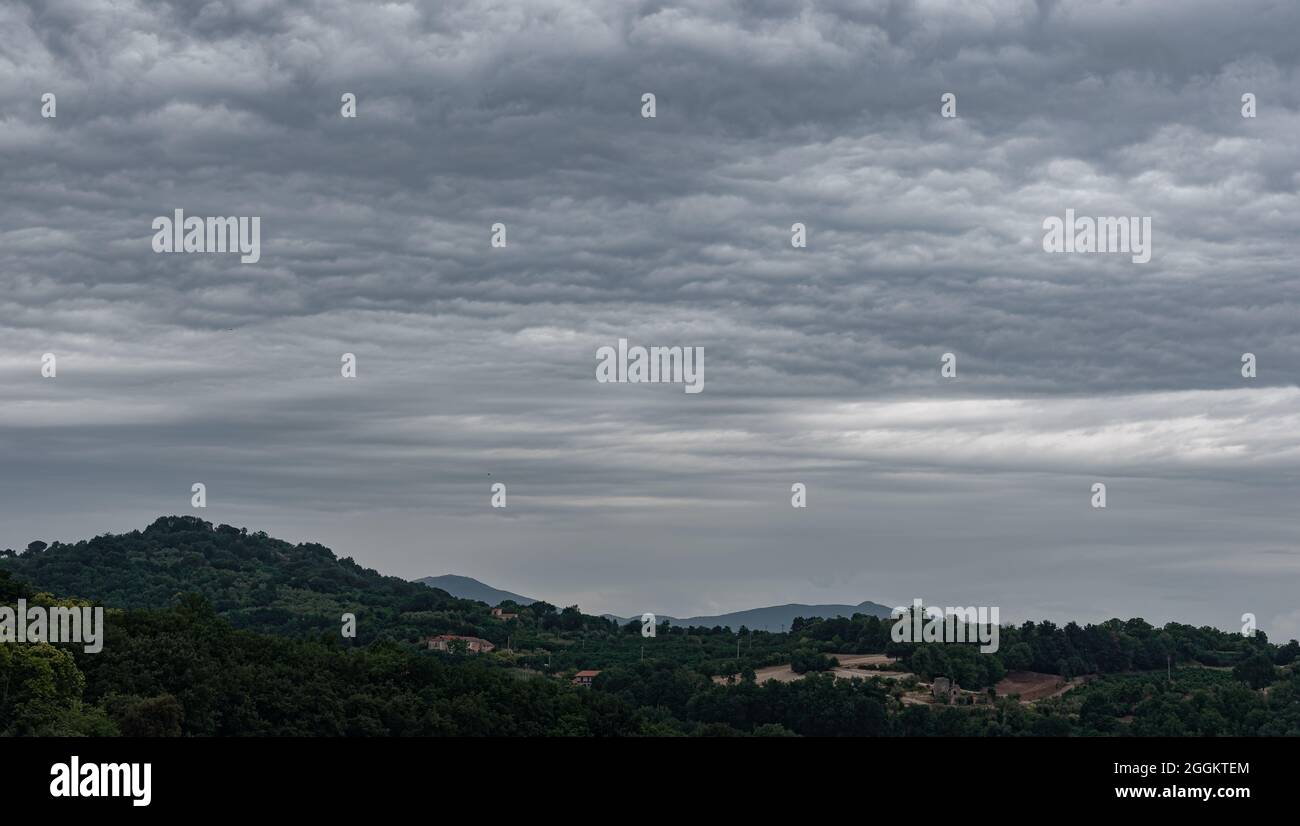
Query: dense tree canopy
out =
(215, 631)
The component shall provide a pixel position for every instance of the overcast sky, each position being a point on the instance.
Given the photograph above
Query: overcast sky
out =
(477, 365)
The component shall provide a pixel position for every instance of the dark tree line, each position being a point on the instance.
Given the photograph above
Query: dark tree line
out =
(213, 631)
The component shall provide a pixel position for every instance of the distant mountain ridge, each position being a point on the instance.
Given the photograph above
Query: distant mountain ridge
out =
(771, 618)
(774, 617)
(463, 587)
(267, 585)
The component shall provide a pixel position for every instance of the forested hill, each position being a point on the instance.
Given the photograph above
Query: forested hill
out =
(253, 580)
(170, 665)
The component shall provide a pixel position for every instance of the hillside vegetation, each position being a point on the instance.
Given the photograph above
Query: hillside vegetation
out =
(216, 631)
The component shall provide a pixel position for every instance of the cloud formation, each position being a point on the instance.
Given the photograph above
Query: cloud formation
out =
(924, 237)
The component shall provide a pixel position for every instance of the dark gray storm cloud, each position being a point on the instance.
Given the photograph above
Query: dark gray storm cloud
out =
(477, 364)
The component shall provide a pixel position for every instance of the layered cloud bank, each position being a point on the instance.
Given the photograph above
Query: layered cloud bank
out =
(477, 364)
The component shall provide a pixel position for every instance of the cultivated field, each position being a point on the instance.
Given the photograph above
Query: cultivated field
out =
(1034, 685)
(848, 669)
(1031, 686)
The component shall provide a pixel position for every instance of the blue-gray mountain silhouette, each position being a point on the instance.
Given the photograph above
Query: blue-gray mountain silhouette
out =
(774, 617)
(464, 587)
(771, 618)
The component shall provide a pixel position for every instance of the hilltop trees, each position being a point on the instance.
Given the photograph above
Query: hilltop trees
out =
(234, 633)
(255, 581)
(1256, 671)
